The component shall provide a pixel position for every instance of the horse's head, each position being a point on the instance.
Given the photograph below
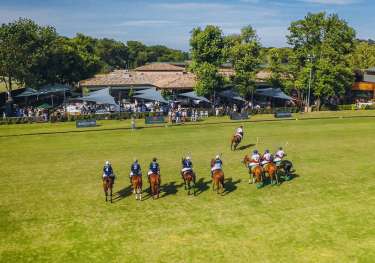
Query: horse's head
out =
(246, 160)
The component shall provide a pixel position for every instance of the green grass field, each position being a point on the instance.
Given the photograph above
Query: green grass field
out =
(52, 206)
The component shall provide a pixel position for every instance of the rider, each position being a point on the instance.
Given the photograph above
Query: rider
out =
(108, 171)
(279, 155)
(135, 169)
(255, 159)
(266, 158)
(239, 131)
(187, 165)
(154, 168)
(218, 165)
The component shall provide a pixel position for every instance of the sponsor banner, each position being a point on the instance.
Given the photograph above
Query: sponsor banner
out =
(239, 116)
(154, 119)
(85, 123)
(283, 115)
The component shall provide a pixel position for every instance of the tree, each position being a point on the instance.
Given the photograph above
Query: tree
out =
(284, 68)
(244, 54)
(23, 43)
(207, 45)
(113, 54)
(327, 41)
(208, 79)
(363, 56)
(85, 46)
(207, 55)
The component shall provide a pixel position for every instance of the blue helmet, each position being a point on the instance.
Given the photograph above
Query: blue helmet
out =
(267, 151)
(255, 151)
(280, 148)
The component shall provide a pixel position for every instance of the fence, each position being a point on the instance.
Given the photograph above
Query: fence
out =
(199, 114)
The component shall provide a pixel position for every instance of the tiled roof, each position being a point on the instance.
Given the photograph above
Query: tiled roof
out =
(183, 81)
(157, 79)
(164, 79)
(159, 67)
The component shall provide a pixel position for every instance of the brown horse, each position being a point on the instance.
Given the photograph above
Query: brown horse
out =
(236, 139)
(217, 179)
(189, 178)
(271, 170)
(255, 173)
(107, 187)
(154, 185)
(137, 186)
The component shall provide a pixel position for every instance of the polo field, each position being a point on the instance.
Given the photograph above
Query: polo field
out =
(53, 207)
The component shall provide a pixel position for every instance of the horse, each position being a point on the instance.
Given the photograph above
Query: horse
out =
(271, 170)
(189, 177)
(154, 185)
(286, 166)
(217, 179)
(137, 186)
(236, 139)
(255, 173)
(108, 186)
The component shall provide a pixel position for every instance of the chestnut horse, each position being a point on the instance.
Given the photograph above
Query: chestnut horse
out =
(236, 139)
(255, 173)
(217, 179)
(137, 186)
(271, 170)
(189, 178)
(154, 185)
(107, 187)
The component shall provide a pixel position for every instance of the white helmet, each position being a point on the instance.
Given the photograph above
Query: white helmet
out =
(107, 163)
(187, 157)
(217, 156)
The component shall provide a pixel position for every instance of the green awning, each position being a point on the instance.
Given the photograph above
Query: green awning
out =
(45, 106)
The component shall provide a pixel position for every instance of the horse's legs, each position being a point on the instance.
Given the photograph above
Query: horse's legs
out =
(111, 193)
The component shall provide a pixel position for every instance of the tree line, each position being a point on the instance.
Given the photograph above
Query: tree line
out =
(323, 54)
(32, 55)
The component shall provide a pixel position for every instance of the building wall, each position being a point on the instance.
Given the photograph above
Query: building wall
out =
(369, 77)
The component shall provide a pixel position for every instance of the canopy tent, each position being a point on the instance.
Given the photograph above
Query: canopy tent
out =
(28, 92)
(143, 91)
(150, 94)
(53, 88)
(231, 94)
(193, 95)
(274, 93)
(100, 97)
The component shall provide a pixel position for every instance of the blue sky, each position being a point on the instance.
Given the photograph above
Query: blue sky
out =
(169, 22)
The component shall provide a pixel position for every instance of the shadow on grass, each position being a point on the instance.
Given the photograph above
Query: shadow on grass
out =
(282, 179)
(121, 194)
(201, 186)
(244, 147)
(169, 189)
(230, 185)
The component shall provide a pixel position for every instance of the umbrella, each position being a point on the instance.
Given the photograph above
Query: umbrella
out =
(152, 95)
(274, 93)
(231, 94)
(28, 92)
(193, 95)
(100, 97)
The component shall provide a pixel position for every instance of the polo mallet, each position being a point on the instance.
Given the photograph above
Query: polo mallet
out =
(258, 141)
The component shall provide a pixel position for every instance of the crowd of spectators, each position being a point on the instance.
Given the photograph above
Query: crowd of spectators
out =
(29, 112)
